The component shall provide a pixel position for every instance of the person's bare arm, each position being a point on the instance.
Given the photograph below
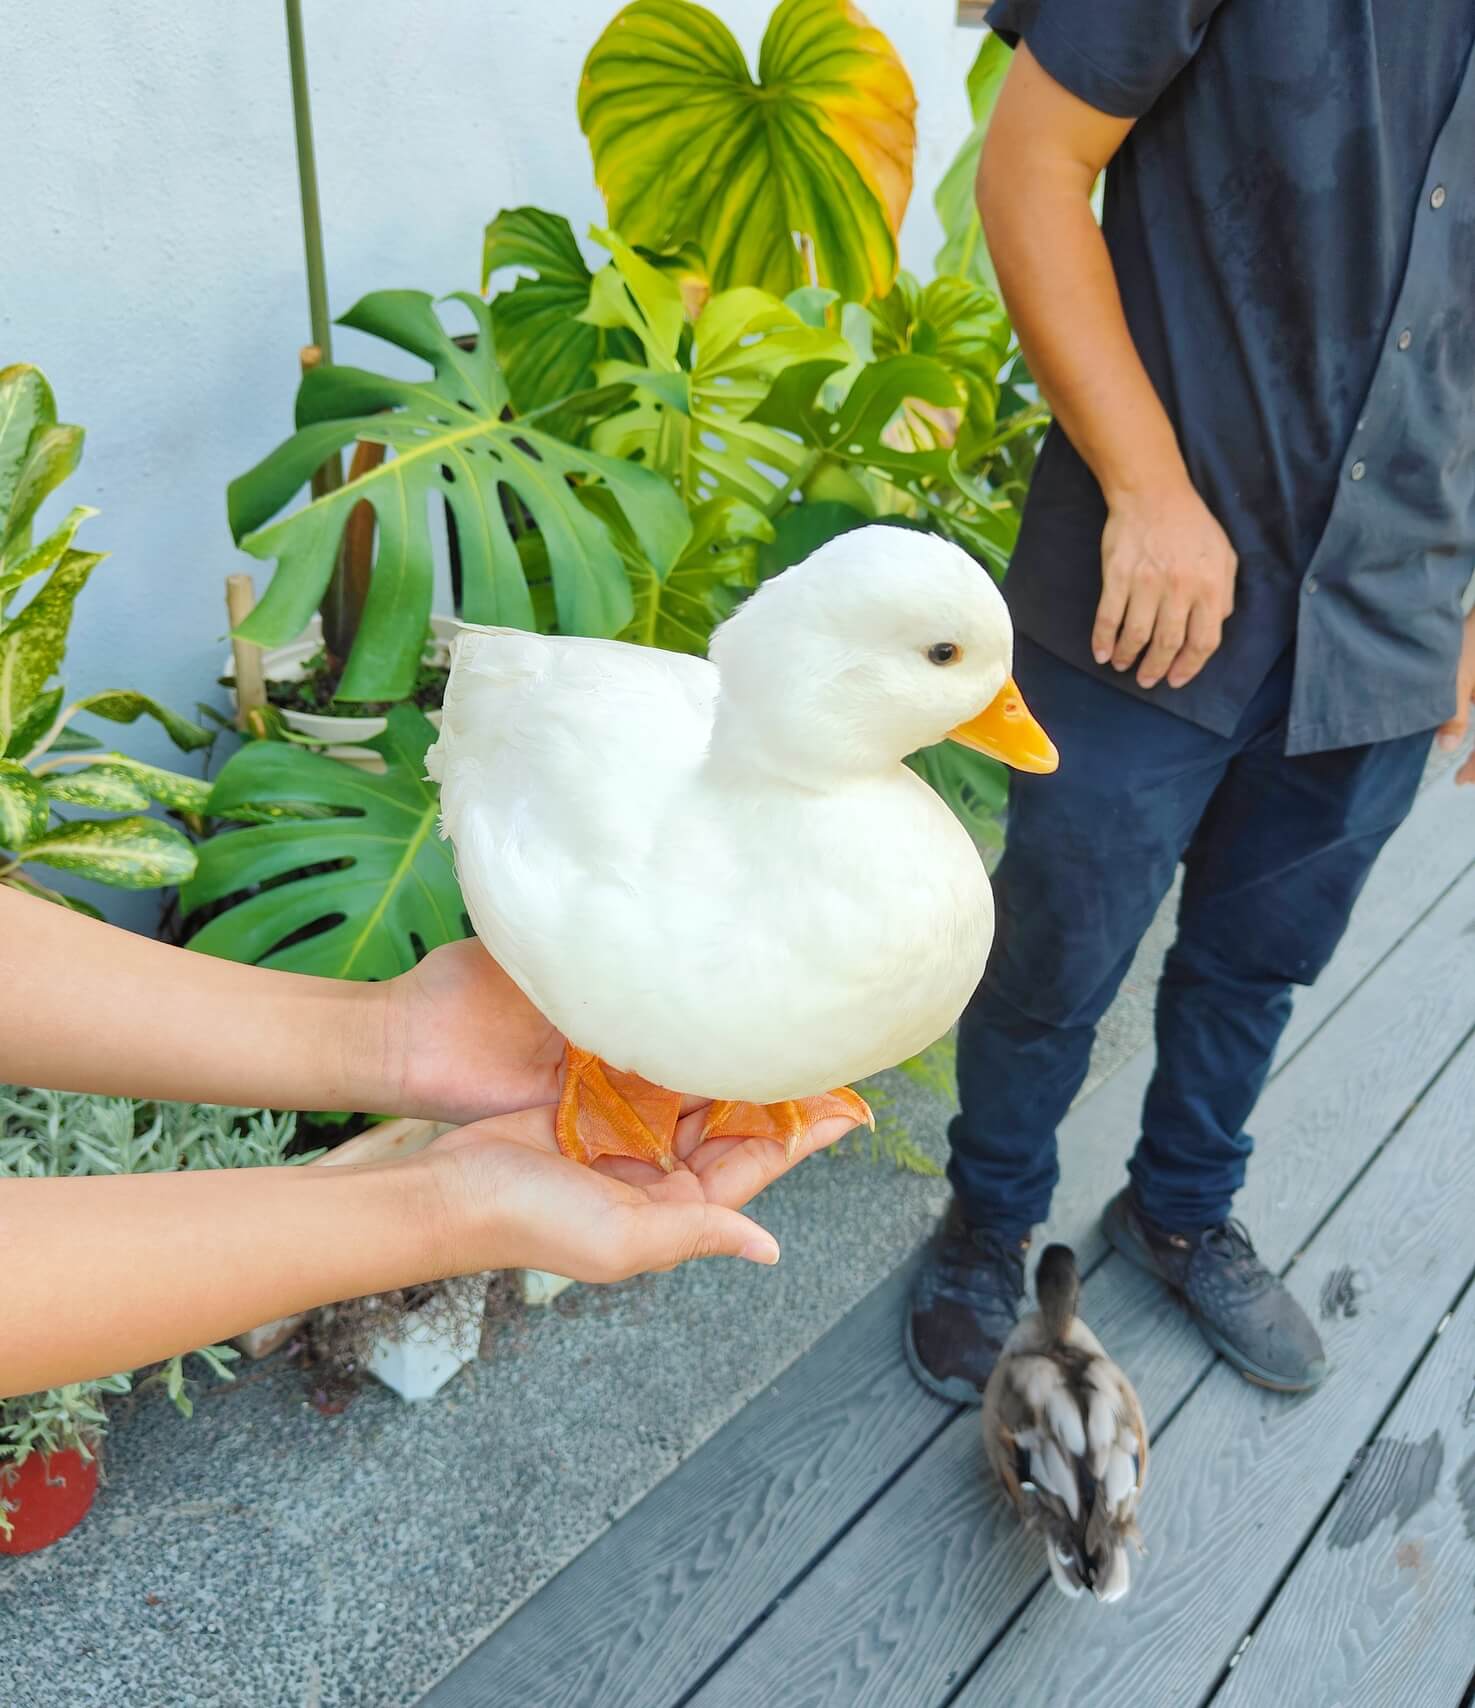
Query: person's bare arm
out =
(98, 1009)
(112, 1272)
(1167, 567)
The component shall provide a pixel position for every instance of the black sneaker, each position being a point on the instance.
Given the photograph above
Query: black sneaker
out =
(1242, 1310)
(965, 1302)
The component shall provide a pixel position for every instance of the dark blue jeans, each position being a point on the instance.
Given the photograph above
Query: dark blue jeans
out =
(1275, 852)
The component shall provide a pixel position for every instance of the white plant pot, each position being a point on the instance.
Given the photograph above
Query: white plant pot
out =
(341, 736)
(424, 1355)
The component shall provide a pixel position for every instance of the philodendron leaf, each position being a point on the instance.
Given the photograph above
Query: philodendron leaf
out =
(449, 441)
(37, 453)
(964, 253)
(124, 706)
(687, 146)
(34, 641)
(24, 812)
(375, 886)
(128, 853)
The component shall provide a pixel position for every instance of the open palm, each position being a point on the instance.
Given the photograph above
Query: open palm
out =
(617, 1218)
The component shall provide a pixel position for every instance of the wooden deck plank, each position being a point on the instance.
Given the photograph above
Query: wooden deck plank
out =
(1383, 1594)
(1381, 1612)
(704, 1555)
(1242, 1476)
(912, 1594)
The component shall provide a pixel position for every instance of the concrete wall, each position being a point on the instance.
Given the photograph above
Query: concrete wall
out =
(151, 252)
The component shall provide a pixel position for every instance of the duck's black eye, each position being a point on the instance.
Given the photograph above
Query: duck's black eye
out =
(945, 652)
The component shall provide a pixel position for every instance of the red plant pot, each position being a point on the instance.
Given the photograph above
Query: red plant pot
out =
(46, 1495)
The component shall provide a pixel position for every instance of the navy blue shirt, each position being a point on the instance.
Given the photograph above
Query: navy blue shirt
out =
(1292, 223)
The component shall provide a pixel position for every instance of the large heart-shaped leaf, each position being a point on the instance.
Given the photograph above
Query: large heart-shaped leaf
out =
(450, 442)
(687, 145)
(128, 853)
(964, 253)
(363, 894)
(37, 453)
(695, 422)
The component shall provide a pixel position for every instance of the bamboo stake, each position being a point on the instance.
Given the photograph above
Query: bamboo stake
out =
(240, 600)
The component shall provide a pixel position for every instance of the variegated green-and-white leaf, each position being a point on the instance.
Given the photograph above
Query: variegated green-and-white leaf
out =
(24, 812)
(128, 853)
(34, 640)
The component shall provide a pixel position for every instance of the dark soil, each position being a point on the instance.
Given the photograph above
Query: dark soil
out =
(314, 692)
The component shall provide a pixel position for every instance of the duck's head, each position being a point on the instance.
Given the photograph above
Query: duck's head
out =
(883, 641)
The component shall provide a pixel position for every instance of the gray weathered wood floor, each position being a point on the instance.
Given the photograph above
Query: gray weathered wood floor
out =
(837, 1544)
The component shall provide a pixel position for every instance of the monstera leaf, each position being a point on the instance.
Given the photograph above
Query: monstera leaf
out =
(694, 420)
(449, 440)
(964, 328)
(360, 895)
(677, 605)
(687, 146)
(964, 253)
(547, 352)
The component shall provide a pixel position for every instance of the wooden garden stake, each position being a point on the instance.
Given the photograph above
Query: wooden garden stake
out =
(240, 598)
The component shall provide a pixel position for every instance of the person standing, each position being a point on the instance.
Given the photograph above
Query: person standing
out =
(1239, 590)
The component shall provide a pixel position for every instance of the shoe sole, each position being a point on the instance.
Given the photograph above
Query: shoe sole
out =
(955, 1389)
(1120, 1238)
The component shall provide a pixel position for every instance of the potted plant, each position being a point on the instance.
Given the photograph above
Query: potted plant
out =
(48, 765)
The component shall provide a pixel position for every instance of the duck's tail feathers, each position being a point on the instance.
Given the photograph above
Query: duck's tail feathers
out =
(1058, 1289)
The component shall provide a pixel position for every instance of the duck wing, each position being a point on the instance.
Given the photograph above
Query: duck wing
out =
(557, 759)
(1064, 1432)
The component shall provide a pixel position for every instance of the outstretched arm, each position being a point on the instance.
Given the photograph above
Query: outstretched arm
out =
(109, 1011)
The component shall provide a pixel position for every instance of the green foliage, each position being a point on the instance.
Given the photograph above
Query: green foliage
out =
(45, 762)
(49, 1133)
(688, 147)
(964, 252)
(696, 390)
(452, 439)
(359, 894)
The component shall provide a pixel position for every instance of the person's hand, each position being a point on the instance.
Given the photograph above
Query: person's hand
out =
(463, 1040)
(509, 1199)
(1453, 731)
(1167, 584)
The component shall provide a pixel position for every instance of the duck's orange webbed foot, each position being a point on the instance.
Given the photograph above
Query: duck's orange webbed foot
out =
(790, 1123)
(603, 1111)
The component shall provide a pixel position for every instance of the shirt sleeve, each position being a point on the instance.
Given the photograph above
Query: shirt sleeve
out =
(1116, 55)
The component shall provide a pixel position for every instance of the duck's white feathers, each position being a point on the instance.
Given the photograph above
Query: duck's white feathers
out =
(1064, 1433)
(676, 921)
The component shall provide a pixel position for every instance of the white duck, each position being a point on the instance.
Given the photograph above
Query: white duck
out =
(719, 876)
(1064, 1432)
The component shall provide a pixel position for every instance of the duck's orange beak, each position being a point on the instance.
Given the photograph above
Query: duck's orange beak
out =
(1005, 730)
